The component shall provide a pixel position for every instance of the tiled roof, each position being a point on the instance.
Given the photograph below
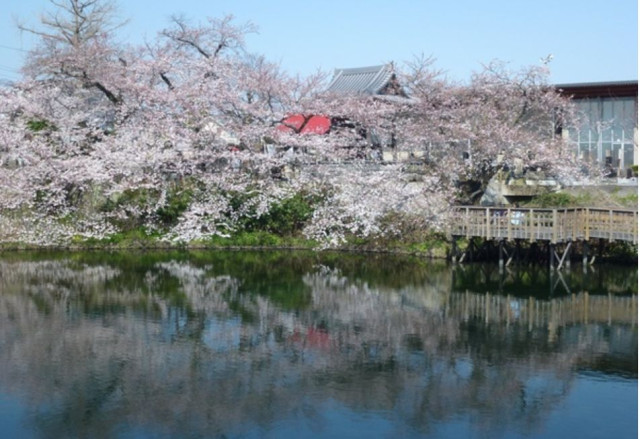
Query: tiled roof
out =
(363, 80)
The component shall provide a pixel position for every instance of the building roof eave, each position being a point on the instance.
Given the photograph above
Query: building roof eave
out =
(599, 89)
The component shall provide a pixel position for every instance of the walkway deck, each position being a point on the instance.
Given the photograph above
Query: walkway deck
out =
(550, 225)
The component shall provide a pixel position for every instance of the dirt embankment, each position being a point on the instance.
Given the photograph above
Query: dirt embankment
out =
(604, 196)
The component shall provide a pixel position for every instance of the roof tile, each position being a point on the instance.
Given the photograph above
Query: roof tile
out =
(362, 80)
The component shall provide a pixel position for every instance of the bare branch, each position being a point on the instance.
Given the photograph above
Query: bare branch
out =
(209, 41)
(76, 22)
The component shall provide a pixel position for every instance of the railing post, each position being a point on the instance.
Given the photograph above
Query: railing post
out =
(586, 224)
(554, 231)
(488, 219)
(531, 225)
(610, 225)
(466, 222)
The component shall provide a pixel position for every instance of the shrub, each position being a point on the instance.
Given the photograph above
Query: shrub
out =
(177, 202)
(136, 203)
(288, 216)
(555, 199)
(38, 125)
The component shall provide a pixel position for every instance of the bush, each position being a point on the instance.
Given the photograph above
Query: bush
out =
(177, 202)
(135, 202)
(555, 199)
(38, 125)
(284, 218)
(289, 216)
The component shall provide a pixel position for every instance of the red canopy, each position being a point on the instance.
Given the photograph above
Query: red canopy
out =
(299, 123)
(317, 125)
(292, 123)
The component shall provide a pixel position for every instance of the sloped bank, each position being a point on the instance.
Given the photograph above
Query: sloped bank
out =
(190, 214)
(147, 218)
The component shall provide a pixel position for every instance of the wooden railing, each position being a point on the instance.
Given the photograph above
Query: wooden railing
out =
(553, 225)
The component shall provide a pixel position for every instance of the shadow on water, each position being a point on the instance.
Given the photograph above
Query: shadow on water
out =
(542, 283)
(226, 344)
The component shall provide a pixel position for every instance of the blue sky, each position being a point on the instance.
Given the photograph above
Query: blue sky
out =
(591, 40)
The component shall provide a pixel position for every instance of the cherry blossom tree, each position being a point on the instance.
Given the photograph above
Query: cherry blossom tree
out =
(500, 119)
(178, 137)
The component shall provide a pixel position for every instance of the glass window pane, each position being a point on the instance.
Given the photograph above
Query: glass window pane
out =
(607, 112)
(628, 154)
(630, 115)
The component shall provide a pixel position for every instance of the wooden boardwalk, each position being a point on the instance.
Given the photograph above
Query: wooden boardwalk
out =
(549, 225)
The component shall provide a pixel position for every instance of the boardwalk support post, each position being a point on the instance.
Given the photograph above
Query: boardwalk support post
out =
(585, 253)
(561, 261)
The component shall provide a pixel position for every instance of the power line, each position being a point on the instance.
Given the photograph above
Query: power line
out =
(13, 48)
(8, 69)
(9, 74)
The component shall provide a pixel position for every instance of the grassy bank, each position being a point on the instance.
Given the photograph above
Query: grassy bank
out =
(143, 220)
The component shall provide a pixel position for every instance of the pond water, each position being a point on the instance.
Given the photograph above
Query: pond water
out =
(295, 344)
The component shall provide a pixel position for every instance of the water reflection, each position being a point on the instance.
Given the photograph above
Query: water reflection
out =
(538, 281)
(233, 344)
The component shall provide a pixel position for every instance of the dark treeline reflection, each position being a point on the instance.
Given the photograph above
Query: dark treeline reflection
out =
(221, 344)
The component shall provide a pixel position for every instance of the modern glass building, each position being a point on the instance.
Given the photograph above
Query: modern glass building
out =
(607, 132)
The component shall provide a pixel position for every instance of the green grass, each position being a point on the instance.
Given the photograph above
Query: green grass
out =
(630, 200)
(37, 125)
(557, 199)
(426, 243)
(134, 238)
(259, 239)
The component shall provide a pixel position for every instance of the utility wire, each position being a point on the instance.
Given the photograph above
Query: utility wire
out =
(8, 69)
(9, 73)
(13, 48)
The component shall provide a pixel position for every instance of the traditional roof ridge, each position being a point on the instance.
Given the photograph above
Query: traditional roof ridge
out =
(369, 80)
